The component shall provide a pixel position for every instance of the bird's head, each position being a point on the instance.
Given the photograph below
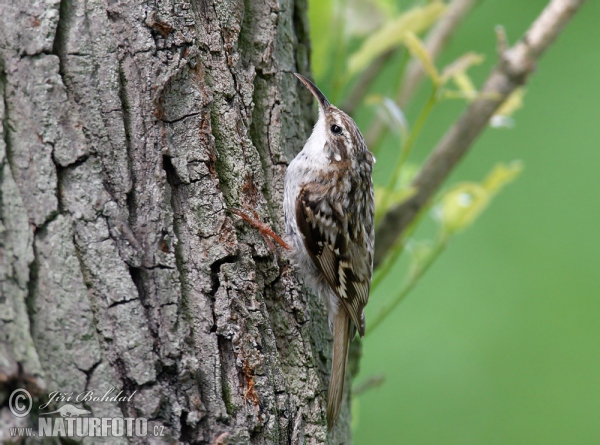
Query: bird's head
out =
(335, 130)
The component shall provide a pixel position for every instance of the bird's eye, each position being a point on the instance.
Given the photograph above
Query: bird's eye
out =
(336, 129)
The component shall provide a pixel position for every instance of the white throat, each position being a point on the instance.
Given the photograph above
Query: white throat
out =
(314, 148)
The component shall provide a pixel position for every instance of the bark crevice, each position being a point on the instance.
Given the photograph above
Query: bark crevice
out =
(147, 120)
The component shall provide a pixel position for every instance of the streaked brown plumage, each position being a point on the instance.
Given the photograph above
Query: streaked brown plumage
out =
(329, 209)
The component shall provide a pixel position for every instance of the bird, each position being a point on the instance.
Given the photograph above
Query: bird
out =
(329, 208)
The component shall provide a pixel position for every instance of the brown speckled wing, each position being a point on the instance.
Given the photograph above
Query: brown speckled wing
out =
(337, 243)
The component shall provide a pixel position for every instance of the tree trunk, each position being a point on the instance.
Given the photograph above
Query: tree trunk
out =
(129, 127)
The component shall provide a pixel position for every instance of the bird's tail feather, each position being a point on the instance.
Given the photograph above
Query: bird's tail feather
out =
(341, 340)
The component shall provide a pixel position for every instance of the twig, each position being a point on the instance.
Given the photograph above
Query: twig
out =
(512, 71)
(262, 227)
(389, 306)
(374, 381)
(408, 144)
(221, 440)
(436, 40)
(364, 82)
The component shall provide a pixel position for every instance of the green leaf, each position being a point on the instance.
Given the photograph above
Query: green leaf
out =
(394, 32)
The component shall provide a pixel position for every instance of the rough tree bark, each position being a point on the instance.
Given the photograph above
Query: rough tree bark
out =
(129, 127)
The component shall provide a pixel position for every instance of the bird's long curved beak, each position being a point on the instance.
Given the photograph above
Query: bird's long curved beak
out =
(321, 99)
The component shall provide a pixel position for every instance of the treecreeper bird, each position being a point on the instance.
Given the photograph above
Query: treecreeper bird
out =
(329, 208)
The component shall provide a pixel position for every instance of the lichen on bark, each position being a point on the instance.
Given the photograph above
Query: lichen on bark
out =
(129, 129)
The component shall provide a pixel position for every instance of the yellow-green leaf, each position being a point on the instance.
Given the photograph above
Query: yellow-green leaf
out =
(464, 202)
(393, 33)
(461, 65)
(418, 50)
(465, 85)
(512, 103)
(501, 175)
(460, 206)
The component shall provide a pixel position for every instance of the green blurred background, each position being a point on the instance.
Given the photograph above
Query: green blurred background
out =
(500, 341)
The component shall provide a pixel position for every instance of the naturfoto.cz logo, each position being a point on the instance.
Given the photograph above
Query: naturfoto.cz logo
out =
(72, 421)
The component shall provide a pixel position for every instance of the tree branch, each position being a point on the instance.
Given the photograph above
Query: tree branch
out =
(512, 71)
(436, 40)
